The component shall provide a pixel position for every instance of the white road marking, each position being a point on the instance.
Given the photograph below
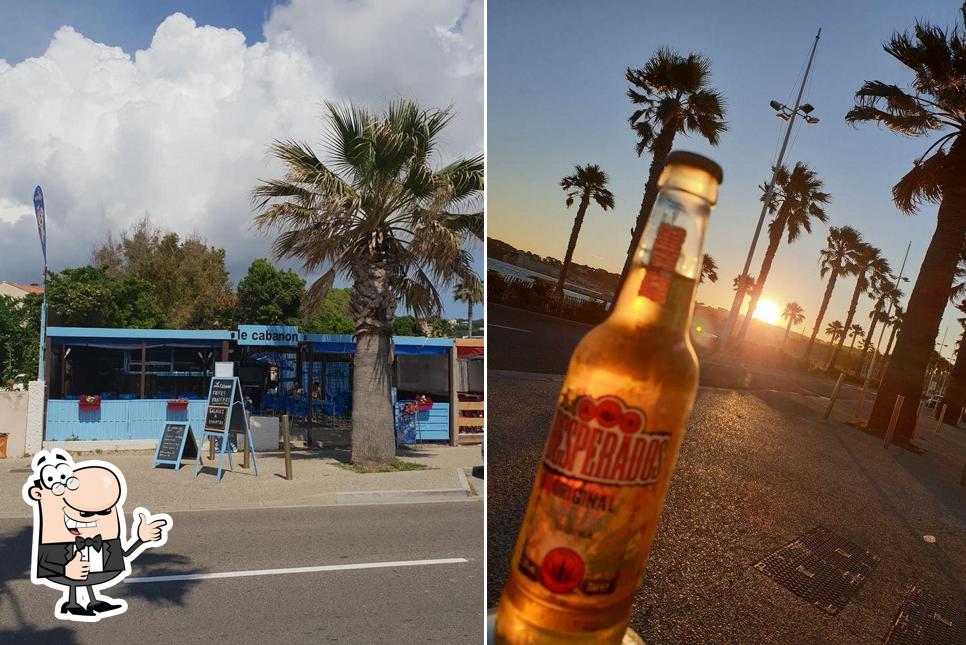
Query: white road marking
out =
(280, 572)
(525, 331)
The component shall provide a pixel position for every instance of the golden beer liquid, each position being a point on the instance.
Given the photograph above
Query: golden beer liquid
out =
(585, 538)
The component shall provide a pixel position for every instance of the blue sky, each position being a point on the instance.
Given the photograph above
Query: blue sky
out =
(124, 109)
(556, 97)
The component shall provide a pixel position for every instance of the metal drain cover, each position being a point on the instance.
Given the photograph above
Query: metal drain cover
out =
(821, 568)
(927, 620)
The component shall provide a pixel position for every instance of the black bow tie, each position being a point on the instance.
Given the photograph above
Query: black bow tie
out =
(83, 543)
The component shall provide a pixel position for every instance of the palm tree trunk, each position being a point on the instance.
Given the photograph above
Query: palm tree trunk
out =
(860, 285)
(773, 241)
(371, 307)
(469, 318)
(852, 344)
(788, 328)
(956, 390)
(867, 344)
(821, 314)
(659, 152)
(892, 337)
(915, 344)
(572, 244)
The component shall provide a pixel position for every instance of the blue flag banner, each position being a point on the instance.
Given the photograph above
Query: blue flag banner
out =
(41, 220)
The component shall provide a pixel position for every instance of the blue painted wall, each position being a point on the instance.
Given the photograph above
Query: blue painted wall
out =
(434, 424)
(118, 420)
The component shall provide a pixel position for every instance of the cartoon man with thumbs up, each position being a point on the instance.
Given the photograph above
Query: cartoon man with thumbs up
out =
(80, 532)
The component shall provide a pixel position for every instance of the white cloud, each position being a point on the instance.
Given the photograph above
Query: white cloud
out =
(179, 130)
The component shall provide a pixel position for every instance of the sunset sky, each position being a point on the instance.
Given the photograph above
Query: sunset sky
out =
(557, 98)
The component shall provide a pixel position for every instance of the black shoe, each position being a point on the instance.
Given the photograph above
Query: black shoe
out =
(100, 606)
(76, 610)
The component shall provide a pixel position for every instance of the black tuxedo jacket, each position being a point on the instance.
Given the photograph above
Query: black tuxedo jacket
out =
(52, 558)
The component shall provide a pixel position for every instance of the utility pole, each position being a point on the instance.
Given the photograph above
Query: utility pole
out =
(740, 292)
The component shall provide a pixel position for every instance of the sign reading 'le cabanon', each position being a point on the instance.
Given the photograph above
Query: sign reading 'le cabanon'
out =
(269, 335)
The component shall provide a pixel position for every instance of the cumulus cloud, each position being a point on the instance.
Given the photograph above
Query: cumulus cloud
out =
(179, 130)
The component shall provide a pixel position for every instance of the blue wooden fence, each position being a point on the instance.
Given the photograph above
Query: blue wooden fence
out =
(434, 423)
(118, 420)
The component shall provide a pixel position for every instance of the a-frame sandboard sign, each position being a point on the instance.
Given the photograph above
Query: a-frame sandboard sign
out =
(224, 414)
(177, 443)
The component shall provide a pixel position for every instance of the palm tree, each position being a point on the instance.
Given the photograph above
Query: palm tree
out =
(837, 259)
(801, 197)
(835, 330)
(672, 95)
(882, 295)
(469, 291)
(709, 269)
(955, 397)
(587, 182)
(871, 269)
(855, 331)
(749, 281)
(377, 213)
(794, 314)
(896, 321)
(935, 103)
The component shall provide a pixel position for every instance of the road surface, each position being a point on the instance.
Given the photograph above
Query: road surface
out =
(394, 573)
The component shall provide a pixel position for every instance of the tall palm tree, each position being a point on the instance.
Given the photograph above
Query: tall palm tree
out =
(882, 295)
(378, 213)
(469, 291)
(955, 397)
(794, 314)
(855, 331)
(801, 197)
(935, 103)
(835, 330)
(895, 320)
(871, 269)
(749, 286)
(836, 259)
(709, 269)
(587, 183)
(672, 95)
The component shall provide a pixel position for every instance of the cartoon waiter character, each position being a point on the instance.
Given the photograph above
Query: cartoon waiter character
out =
(80, 532)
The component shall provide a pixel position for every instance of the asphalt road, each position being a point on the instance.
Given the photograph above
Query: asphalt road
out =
(426, 603)
(756, 470)
(525, 341)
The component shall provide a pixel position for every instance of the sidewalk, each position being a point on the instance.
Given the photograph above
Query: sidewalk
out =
(317, 481)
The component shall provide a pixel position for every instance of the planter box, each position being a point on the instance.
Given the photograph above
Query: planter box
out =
(425, 407)
(177, 405)
(88, 407)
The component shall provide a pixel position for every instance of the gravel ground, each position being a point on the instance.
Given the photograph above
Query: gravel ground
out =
(756, 470)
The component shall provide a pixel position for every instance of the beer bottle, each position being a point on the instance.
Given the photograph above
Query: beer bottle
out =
(614, 439)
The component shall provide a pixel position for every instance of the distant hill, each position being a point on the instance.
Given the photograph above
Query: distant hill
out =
(580, 274)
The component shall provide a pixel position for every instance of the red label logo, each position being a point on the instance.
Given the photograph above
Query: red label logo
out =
(664, 258)
(604, 441)
(561, 570)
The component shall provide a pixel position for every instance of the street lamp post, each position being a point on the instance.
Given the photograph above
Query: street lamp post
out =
(784, 113)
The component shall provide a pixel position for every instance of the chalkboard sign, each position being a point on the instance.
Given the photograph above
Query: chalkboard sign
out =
(215, 418)
(221, 391)
(177, 443)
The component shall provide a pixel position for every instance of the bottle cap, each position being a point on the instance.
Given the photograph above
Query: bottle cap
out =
(692, 173)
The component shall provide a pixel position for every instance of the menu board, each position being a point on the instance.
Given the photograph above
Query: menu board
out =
(215, 418)
(177, 443)
(221, 391)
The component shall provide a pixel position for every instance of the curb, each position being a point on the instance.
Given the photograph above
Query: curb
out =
(401, 496)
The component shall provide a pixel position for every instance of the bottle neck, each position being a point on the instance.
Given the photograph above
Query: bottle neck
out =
(659, 290)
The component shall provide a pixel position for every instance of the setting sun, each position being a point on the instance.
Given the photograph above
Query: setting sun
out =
(767, 311)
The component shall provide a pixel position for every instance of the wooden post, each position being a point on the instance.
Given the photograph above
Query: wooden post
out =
(454, 399)
(47, 346)
(211, 448)
(308, 432)
(835, 395)
(144, 358)
(287, 448)
(224, 351)
(892, 422)
(942, 414)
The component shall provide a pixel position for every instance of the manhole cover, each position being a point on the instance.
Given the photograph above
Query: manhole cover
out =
(927, 620)
(821, 568)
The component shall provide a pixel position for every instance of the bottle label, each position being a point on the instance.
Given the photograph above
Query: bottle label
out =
(663, 260)
(596, 499)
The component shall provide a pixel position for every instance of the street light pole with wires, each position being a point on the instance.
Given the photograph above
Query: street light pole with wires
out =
(784, 113)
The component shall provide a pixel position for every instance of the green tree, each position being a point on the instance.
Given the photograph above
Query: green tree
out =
(378, 213)
(406, 326)
(935, 103)
(837, 259)
(267, 296)
(191, 284)
(587, 183)
(801, 197)
(19, 337)
(332, 316)
(673, 95)
(89, 297)
(794, 314)
(469, 291)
